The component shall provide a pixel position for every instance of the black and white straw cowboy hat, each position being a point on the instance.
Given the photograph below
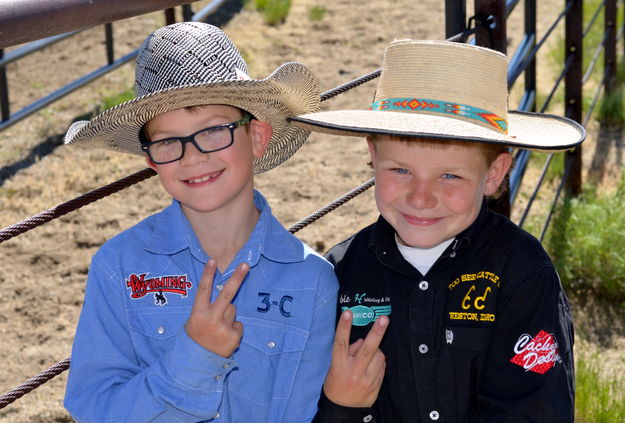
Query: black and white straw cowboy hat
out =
(190, 64)
(449, 91)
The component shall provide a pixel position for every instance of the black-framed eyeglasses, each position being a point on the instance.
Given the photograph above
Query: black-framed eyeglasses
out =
(207, 140)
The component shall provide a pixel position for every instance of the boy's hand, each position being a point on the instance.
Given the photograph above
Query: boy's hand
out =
(212, 325)
(357, 370)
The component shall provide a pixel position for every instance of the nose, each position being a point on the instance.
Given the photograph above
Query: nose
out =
(192, 155)
(421, 196)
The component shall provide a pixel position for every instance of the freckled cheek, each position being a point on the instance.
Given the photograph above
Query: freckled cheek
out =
(386, 191)
(461, 200)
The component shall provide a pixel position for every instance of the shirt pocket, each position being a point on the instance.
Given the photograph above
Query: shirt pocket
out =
(153, 331)
(461, 365)
(268, 359)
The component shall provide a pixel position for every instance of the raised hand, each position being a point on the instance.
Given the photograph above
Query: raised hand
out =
(212, 325)
(357, 370)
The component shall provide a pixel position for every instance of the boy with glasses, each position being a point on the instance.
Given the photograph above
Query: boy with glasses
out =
(209, 310)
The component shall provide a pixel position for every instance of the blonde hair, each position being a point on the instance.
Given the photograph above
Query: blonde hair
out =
(490, 152)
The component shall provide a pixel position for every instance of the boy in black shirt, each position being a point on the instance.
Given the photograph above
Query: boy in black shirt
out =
(480, 329)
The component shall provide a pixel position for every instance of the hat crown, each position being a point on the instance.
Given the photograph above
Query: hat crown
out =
(186, 53)
(445, 77)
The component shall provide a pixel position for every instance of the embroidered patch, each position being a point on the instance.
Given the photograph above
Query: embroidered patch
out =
(472, 297)
(537, 354)
(140, 286)
(267, 302)
(364, 315)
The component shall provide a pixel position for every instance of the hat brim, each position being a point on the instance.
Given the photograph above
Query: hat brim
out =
(531, 131)
(290, 90)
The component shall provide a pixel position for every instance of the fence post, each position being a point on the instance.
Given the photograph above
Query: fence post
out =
(573, 89)
(497, 9)
(110, 51)
(610, 45)
(496, 40)
(455, 17)
(170, 16)
(5, 113)
(530, 30)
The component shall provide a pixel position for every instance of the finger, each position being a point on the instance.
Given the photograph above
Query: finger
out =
(355, 347)
(231, 287)
(238, 327)
(230, 313)
(371, 344)
(341, 337)
(205, 288)
(377, 362)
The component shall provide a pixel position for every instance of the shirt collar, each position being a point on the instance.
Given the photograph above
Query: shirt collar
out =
(173, 233)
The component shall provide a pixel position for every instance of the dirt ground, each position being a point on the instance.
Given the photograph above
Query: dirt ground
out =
(44, 270)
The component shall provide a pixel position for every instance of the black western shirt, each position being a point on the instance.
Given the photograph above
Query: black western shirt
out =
(485, 336)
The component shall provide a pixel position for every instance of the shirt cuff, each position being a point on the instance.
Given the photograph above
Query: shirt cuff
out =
(193, 366)
(330, 412)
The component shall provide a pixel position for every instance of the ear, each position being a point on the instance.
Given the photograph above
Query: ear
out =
(371, 146)
(150, 163)
(497, 172)
(260, 134)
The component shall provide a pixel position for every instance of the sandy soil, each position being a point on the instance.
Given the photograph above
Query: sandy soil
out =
(44, 270)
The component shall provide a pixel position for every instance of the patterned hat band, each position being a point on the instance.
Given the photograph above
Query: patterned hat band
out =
(434, 106)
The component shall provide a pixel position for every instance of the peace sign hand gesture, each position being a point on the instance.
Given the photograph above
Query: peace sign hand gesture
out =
(212, 325)
(357, 370)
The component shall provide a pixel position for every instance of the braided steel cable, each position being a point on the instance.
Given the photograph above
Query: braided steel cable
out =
(331, 206)
(34, 382)
(76, 203)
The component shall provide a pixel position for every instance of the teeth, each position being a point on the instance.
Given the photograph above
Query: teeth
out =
(199, 180)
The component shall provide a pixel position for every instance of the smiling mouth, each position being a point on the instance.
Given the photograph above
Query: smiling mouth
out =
(204, 178)
(421, 221)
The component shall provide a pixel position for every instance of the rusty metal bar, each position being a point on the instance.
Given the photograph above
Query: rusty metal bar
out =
(497, 9)
(110, 43)
(27, 20)
(4, 91)
(609, 56)
(573, 89)
(495, 38)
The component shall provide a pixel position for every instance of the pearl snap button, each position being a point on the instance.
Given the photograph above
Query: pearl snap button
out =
(217, 415)
(434, 415)
(271, 344)
(423, 285)
(423, 348)
(160, 330)
(367, 418)
(219, 287)
(217, 377)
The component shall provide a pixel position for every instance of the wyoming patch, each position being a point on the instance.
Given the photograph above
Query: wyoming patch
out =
(140, 286)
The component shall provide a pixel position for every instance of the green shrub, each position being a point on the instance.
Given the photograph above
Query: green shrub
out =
(587, 241)
(274, 11)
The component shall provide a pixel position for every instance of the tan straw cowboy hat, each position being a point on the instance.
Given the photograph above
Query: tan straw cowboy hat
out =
(193, 63)
(445, 90)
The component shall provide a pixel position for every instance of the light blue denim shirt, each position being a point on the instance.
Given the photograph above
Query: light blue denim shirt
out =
(132, 360)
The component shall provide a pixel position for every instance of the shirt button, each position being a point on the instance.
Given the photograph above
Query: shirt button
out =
(226, 365)
(219, 287)
(217, 377)
(423, 348)
(423, 285)
(434, 415)
(271, 344)
(367, 418)
(217, 415)
(160, 330)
